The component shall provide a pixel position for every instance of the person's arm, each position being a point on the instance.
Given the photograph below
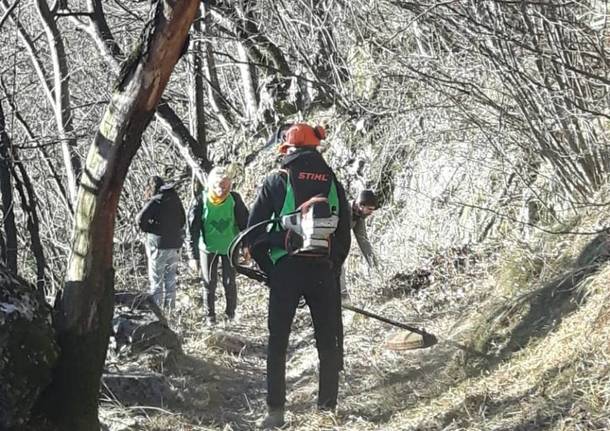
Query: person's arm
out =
(145, 219)
(263, 209)
(241, 211)
(193, 231)
(181, 214)
(364, 244)
(342, 236)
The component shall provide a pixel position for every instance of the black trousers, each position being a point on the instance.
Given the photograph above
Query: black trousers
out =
(209, 274)
(339, 317)
(291, 279)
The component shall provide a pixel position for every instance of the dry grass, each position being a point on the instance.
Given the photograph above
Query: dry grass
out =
(558, 382)
(523, 346)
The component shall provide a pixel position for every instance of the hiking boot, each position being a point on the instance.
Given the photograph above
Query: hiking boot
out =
(327, 409)
(210, 321)
(274, 419)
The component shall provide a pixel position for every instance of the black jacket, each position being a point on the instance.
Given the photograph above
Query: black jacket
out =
(163, 218)
(194, 231)
(270, 200)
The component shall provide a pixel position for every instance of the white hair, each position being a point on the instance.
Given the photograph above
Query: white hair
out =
(218, 174)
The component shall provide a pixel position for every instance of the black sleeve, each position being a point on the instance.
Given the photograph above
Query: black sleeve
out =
(342, 237)
(147, 216)
(267, 200)
(193, 231)
(174, 210)
(362, 238)
(182, 213)
(241, 211)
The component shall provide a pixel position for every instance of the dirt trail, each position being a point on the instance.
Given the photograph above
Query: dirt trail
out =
(210, 388)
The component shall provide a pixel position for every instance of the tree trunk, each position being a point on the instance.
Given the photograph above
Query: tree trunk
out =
(7, 12)
(61, 96)
(248, 81)
(25, 189)
(190, 148)
(196, 107)
(56, 90)
(219, 104)
(196, 93)
(44, 155)
(6, 187)
(84, 310)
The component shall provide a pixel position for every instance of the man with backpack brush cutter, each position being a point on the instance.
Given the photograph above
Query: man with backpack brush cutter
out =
(301, 257)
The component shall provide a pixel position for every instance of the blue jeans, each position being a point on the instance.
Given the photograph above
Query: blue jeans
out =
(162, 267)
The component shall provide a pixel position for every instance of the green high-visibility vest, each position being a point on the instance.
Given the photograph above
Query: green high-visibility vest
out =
(218, 225)
(276, 253)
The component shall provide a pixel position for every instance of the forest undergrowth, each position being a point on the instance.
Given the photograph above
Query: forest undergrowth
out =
(523, 344)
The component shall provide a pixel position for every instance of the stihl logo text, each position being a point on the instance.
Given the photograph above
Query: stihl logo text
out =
(313, 176)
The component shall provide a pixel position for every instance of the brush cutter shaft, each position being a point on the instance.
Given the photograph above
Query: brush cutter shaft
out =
(384, 319)
(262, 277)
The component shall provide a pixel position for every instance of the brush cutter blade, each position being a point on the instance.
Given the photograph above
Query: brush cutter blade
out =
(430, 340)
(409, 341)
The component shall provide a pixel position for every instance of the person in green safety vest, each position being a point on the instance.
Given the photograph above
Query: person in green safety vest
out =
(304, 175)
(216, 216)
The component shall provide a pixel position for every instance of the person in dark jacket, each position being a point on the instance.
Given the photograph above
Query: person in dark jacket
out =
(304, 174)
(162, 218)
(361, 208)
(216, 216)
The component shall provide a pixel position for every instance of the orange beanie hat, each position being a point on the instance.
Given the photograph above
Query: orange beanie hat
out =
(302, 135)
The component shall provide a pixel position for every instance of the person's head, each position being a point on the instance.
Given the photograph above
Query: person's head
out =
(219, 182)
(367, 202)
(277, 137)
(301, 135)
(153, 186)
